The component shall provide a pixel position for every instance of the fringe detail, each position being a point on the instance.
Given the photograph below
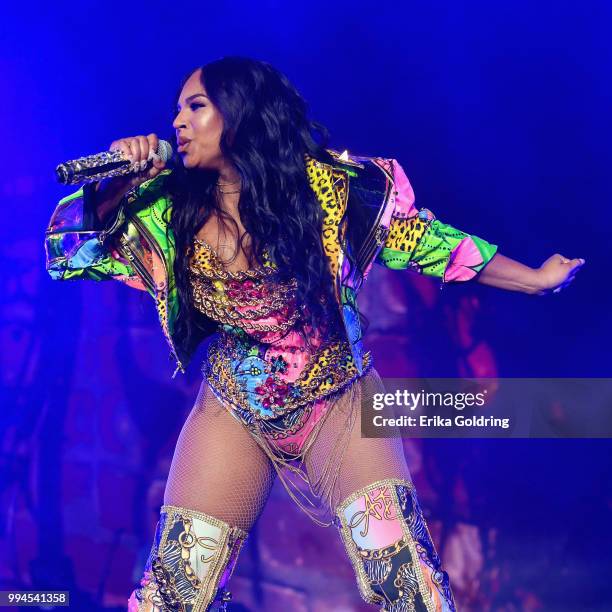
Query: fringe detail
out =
(316, 502)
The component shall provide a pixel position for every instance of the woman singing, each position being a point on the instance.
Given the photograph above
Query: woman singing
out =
(258, 240)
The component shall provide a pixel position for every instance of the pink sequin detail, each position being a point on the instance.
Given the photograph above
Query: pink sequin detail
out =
(372, 528)
(293, 349)
(295, 442)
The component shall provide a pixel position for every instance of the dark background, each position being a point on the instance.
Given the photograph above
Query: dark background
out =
(499, 114)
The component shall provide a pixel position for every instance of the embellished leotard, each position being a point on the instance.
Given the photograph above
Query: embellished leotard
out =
(266, 365)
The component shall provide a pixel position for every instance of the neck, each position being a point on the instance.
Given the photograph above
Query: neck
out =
(228, 203)
(229, 174)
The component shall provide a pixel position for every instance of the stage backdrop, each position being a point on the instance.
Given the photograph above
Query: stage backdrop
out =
(499, 113)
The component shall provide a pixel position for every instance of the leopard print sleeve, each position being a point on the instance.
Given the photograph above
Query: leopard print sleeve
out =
(422, 243)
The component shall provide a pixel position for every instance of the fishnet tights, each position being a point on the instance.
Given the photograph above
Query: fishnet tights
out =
(217, 467)
(339, 461)
(220, 469)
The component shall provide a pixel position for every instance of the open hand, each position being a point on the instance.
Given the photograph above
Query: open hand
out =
(556, 273)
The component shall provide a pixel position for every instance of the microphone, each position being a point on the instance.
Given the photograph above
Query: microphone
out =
(96, 167)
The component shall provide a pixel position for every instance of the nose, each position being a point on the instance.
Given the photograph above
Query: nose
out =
(178, 122)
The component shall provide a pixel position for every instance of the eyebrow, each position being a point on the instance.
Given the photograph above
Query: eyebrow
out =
(190, 98)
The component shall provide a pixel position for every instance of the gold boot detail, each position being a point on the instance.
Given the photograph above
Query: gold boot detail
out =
(191, 561)
(386, 536)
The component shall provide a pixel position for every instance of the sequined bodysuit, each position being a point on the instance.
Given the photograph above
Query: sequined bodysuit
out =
(270, 368)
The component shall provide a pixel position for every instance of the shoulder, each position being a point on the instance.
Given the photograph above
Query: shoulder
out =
(370, 175)
(367, 172)
(354, 166)
(360, 165)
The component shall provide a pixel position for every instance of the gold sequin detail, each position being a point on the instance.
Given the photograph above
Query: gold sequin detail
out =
(219, 294)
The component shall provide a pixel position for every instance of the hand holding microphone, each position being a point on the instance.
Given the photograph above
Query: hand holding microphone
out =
(147, 156)
(128, 163)
(136, 156)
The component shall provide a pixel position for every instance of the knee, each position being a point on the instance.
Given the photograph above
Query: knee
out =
(385, 534)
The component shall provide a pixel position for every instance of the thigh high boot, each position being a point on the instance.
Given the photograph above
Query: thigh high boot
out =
(192, 558)
(396, 564)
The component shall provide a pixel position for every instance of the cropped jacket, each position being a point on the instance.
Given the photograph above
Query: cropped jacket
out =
(136, 248)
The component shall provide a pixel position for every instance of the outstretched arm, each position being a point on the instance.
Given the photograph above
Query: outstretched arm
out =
(420, 242)
(556, 273)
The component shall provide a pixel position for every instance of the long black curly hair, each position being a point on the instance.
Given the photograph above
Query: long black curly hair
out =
(266, 135)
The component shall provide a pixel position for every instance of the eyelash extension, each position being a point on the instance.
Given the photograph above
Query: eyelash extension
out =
(196, 104)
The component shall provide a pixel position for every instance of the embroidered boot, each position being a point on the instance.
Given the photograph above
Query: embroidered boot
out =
(385, 534)
(191, 561)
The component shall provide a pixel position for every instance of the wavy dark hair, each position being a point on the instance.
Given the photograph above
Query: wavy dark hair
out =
(266, 135)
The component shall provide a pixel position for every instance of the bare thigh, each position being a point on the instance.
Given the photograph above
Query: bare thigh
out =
(217, 467)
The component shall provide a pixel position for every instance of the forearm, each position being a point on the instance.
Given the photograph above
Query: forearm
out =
(107, 197)
(505, 273)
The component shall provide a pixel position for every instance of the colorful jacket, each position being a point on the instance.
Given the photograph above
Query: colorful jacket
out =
(137, 249)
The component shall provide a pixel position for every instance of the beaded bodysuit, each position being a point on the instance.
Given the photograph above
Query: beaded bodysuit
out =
(270, 368)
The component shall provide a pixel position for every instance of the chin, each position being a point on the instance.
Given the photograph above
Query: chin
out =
(205, 165)
(189, 162)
